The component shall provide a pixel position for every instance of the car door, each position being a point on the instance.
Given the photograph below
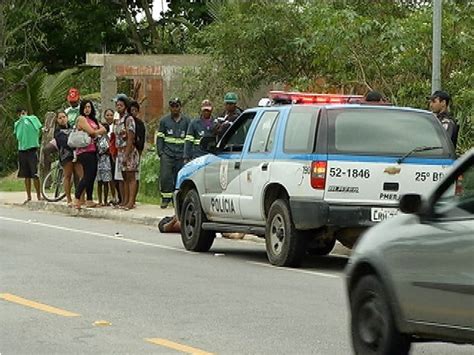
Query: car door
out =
(256, 164)
(434, 262)
(220, 199)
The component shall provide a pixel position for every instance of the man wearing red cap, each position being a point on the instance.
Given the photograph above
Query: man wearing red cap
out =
(204, 126)
(72, 113)
(73, 97)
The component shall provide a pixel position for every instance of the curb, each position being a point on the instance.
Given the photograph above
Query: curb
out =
(111, 214)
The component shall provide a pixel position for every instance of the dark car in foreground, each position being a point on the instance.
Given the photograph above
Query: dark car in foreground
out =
(411, 278)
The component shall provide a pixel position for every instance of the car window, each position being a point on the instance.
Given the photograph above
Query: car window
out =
(262, 140)
(234, 139)
(300, 130)
(385, 132)
(458, 200)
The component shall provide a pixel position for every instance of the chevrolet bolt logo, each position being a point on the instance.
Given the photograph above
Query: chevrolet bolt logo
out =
(392, 170)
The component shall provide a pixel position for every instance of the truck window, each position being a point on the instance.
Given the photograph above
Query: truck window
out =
(262, 140)
(234, 139)
(385, 132)
(300, 130)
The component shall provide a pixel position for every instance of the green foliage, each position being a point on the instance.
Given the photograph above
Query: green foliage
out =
(149, 177)
(41, 93)
(343, 46)
(79, 26)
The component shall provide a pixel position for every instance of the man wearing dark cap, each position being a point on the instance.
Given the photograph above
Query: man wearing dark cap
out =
(439, 105)
(374, 96)
(170, 148)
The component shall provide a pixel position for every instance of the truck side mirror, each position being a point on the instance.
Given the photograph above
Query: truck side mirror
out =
(208, 144)
(410, 203)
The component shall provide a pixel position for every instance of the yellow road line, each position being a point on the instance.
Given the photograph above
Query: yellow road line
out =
(36, 305)
(175, 346)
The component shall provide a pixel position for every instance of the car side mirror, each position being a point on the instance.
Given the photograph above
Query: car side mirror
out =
(410, 203)
(208, 144)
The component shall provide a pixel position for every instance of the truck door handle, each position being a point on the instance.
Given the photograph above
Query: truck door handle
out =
(264, 167)
(237, 165)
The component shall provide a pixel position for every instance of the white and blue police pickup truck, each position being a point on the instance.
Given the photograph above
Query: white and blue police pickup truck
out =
(308, 172)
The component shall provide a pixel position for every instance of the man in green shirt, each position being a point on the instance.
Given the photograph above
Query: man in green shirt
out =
(27, 131)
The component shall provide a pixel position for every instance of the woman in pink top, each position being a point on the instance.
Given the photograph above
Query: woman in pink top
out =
(87, 156)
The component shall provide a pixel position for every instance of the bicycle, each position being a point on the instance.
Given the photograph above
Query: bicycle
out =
(52, 187)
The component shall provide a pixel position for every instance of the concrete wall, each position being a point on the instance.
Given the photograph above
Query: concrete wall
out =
(155, 75)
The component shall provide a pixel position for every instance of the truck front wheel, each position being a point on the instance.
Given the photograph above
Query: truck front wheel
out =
(194, 238)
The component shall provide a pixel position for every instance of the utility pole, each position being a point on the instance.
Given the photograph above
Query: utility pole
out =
(436, 68)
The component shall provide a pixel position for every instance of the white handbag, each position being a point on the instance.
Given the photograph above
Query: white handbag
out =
(78, 139)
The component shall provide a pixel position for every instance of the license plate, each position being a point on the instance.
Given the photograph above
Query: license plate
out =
(381, 214)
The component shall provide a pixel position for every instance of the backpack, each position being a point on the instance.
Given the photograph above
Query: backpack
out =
(140, 133)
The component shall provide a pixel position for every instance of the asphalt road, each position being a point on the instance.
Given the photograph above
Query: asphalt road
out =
(72, 285)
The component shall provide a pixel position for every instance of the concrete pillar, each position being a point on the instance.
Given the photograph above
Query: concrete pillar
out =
(108, 84)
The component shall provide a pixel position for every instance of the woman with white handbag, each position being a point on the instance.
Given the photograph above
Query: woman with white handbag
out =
(87, 155)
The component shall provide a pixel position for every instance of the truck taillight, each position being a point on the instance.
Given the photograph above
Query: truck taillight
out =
(318, 175)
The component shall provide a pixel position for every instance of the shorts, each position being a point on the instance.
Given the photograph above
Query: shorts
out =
(28, 163)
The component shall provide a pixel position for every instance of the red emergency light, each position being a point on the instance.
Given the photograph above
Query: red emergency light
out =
(310, 98)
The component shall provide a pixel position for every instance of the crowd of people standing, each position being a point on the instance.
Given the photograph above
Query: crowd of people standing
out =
(111, 156)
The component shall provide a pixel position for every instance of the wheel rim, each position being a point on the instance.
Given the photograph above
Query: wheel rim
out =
(190, 220)
(371, 322)
(277, 234)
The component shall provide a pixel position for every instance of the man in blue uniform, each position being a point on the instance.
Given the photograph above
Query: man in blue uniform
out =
(170, 148)
(204, 126)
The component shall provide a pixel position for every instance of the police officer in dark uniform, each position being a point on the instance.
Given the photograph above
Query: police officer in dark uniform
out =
(229, 115)
(204, 126)
(170, 148)
(439, 105)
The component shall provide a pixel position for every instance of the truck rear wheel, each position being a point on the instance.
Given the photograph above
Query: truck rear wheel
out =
(285, 245)
(194, 238)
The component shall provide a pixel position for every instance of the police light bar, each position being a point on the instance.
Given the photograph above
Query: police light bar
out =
(310, 98)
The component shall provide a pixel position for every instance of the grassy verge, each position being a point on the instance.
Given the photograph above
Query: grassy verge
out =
(149, 200)
(12, 183)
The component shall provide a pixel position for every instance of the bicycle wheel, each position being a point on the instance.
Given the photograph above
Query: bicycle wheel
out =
(52, 187)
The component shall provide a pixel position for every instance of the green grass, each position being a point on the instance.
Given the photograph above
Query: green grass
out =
(11, 183)
(149, 200)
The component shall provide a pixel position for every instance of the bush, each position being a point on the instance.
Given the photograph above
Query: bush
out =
(150, 177)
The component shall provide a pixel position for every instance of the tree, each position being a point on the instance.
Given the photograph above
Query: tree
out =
(80, 26)
(351, 49)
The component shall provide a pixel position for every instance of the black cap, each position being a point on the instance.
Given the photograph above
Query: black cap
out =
(443, 95)
(175, 101)
(374, 96)
(20, 109)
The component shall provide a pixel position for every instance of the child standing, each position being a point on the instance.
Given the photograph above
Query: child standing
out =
(104, 168)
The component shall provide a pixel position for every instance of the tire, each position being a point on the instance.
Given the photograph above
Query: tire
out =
(52, 187)
(285, 245)
(192, 217)
(321, 247)
(373, 326)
